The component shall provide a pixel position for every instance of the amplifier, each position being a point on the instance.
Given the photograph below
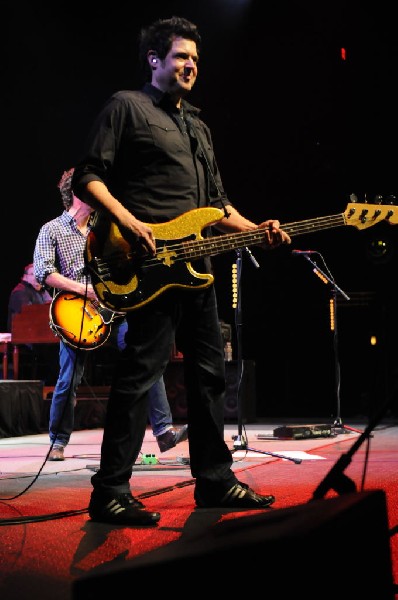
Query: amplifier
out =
(301, 432)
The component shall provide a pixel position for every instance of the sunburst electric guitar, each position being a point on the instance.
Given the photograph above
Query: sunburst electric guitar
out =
(80, 323)
(124, 279)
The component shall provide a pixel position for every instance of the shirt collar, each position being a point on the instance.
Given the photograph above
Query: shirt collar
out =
(161, 98)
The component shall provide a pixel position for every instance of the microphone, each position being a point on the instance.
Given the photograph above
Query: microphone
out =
(297, 252)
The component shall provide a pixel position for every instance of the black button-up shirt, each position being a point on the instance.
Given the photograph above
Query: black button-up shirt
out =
(149, 159)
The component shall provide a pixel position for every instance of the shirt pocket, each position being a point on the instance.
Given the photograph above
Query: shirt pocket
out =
(167, 137)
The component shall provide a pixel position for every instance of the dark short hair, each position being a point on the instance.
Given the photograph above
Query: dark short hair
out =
(65, 187)
(159, 37)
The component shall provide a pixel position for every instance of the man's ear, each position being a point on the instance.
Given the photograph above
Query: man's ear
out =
(153, 58)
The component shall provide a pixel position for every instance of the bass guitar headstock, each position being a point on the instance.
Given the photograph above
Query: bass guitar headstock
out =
(363, 214)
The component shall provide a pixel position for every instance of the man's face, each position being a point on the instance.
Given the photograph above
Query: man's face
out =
(177, 72)
(30, 278)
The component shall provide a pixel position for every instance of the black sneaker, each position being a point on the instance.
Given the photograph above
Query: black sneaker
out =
(123, 509)
(171, 438)
(238, 496)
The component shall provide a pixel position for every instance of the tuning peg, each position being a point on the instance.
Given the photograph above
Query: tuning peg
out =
(378, 199)
(353, 198)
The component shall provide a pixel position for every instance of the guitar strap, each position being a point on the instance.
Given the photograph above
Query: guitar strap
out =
(193, 132)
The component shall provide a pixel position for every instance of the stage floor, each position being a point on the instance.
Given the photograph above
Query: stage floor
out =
(50, 548)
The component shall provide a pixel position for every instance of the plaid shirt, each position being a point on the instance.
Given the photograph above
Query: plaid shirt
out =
(60, 249)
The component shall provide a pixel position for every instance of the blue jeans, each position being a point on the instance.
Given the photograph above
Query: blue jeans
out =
(71, 370)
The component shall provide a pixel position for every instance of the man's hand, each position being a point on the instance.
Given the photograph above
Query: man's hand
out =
(274, 236)
(137, 233)
(89, 291)
(134, 231)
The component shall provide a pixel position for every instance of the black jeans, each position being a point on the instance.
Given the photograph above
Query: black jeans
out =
(189, 318)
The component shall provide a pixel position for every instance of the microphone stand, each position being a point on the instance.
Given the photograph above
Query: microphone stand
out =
(338, 426)
(240, 441)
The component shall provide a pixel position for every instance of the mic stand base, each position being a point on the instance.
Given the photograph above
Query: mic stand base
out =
(240, 443)
(338, 427)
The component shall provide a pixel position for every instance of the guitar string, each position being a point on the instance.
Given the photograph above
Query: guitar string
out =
(203, 247)
(190, 249)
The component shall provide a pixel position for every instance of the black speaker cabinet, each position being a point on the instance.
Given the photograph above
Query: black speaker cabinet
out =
(20, 407)
(333, 548)
(174, 381)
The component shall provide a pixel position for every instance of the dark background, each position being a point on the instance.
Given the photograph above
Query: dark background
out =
(296, 130)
